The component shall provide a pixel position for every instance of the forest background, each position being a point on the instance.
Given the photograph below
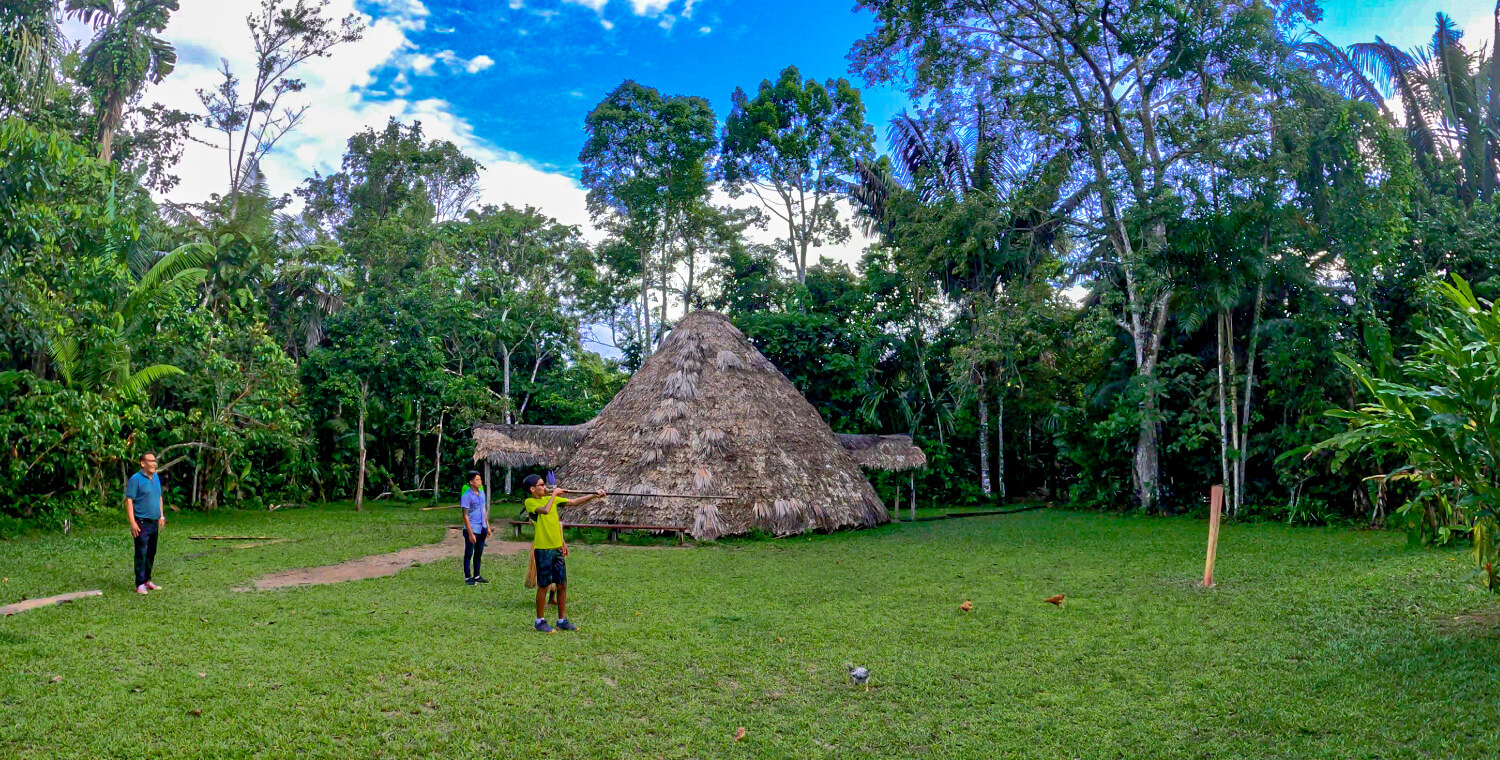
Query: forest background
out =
(1120, 253)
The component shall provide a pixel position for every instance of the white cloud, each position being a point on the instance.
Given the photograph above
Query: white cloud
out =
(705, 29)
(342, 101)
(607, 24)
(453, 61)
(516, 5)
(667, 22)
(408, 14)
(421, 64)
(649, 7)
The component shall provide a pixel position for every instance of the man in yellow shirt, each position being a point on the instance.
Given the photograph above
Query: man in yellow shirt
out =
(550, 549)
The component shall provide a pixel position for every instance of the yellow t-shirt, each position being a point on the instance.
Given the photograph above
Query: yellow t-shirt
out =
(548, 526)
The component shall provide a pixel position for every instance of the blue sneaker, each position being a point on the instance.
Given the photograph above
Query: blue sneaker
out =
(541, 626)
(566, 625)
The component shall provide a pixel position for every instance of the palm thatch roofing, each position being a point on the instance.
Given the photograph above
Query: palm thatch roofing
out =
(883, 452)
(708, 414)
(546, 446)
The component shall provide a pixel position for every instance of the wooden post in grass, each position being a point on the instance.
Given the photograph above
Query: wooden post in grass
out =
(487, 492)
(1215, 506)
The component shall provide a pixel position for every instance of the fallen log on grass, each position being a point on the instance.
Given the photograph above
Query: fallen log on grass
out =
(231, 538)
(31, 604)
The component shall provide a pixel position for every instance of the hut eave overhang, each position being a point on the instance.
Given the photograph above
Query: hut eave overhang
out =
(893, 453)
(547, 446)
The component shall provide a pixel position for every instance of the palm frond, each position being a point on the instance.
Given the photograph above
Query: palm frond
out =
(143, 378)
(63, 350)
(186, 256)
(1337, 65)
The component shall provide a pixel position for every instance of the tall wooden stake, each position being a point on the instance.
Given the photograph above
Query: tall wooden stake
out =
(1216, 506)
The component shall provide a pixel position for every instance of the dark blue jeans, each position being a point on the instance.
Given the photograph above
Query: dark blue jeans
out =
(145, 550)
(474, 550)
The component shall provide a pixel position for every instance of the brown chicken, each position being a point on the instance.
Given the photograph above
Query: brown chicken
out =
(966, 606)
(1057, 600)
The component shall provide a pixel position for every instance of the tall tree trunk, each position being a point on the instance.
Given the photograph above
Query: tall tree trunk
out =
(359, 485)
(645, 319)
(437, 470)
(510, 418)
(1147, 473)
(1234, 417)
(661, 324)
(1224, 443)
(109, 121)
(984, 441)
(687, 295)
(1000, 440)
(1244, 442)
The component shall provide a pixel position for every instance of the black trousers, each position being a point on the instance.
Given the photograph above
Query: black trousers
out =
(145, 550)
(474, 550)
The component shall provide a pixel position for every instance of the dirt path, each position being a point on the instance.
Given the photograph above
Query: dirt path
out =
(379, 565)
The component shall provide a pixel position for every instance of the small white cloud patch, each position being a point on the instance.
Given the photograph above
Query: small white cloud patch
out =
(649, 7)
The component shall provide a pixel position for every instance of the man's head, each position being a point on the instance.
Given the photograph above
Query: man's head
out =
(476, 480)
(148, 463)
(534, 485)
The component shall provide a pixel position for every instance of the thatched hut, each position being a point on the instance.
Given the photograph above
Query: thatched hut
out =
(708, 414)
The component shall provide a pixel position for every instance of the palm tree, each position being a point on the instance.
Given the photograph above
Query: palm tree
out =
(995, 214)
(1450, 98)
(100, 360)
(31, 47)
(124, 54)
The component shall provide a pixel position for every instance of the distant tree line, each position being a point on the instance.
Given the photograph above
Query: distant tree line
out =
(1123, 253)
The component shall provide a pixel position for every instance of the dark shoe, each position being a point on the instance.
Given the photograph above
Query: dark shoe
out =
(469, 581)
(566, 625)
(541, 626)
(480, 579)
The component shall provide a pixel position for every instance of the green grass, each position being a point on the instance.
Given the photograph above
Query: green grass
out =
(1319, 643)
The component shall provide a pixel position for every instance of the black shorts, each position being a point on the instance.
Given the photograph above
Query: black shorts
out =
(550, 568)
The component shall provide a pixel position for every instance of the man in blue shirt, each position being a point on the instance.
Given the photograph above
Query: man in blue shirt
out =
(476, 527)
(143, 507)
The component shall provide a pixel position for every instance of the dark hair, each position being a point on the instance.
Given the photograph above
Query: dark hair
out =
(472, 475)
(530, 480)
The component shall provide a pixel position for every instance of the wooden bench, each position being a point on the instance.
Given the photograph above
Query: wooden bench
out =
(613, 528)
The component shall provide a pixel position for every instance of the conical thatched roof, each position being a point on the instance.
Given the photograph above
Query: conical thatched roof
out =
(708, 414)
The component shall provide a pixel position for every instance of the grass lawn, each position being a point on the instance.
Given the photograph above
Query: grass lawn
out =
(1319, 643)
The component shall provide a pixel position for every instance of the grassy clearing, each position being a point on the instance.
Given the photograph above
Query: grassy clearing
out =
(1319, 643)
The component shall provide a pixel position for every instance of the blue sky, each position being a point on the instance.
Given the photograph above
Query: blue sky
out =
(510, 81)
(554, 60)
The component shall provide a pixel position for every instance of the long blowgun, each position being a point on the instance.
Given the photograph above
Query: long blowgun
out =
(552, 481)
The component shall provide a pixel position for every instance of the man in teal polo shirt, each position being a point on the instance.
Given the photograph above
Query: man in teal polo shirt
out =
(143, 507)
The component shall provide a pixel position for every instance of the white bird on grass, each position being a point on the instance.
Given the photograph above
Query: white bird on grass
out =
(860, 676)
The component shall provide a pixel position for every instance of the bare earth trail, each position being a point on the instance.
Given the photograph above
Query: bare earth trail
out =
(380, 565)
